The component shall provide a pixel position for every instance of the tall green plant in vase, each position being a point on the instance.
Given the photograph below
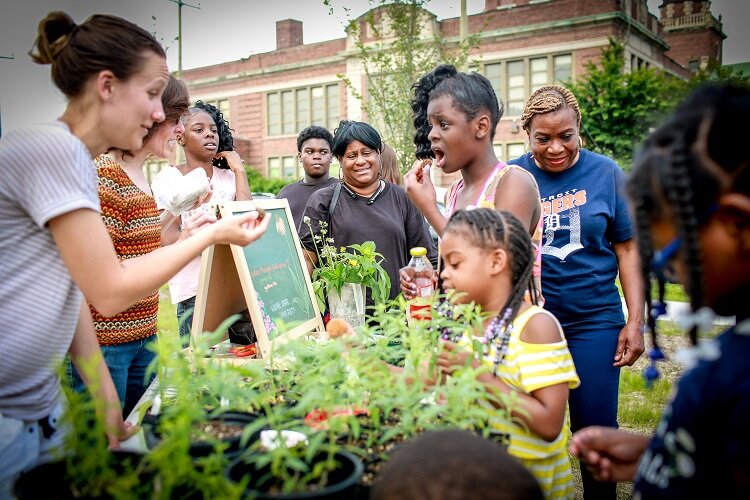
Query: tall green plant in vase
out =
(340, 267)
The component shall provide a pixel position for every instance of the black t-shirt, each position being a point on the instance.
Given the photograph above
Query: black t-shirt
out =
(393, 222)
(298, 193)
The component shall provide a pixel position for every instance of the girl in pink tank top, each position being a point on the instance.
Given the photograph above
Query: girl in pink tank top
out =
(455, 115)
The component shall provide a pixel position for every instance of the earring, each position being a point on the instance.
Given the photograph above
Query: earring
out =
(580, 142)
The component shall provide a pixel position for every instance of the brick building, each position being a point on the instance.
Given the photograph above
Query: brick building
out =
(523, 44)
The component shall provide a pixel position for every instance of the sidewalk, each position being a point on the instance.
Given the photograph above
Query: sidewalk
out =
(675, 309)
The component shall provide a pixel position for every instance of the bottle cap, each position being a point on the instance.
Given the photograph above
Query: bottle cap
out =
(418, 251)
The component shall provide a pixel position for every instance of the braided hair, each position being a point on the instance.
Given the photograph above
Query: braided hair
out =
(226, 142)
(546, 100)
(681, 171)
(490, 229)
(472, 93)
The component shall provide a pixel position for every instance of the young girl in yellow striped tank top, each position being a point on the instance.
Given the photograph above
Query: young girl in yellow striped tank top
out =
(488, 260)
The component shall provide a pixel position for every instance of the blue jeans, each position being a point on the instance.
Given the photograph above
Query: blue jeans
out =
(128, 364)
(594, 402)
(185, 318)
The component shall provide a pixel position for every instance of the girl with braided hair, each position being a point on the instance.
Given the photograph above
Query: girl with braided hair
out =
(588, 240)
(208, 144)
(455, 116)
(691, 191)
(489, 260)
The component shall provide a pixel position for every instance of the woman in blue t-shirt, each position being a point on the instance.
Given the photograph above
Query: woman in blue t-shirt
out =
(690, 187)
(588, 240)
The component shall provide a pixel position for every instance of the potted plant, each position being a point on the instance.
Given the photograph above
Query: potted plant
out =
(342, 274)
(317, 465)
(400, 404)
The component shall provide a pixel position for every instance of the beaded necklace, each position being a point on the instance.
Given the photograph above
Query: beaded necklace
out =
(496, 332)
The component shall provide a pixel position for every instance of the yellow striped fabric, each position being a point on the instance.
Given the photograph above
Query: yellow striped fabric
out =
(526, 368)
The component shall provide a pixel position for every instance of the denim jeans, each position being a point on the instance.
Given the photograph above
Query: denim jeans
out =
(185, 318)
(128, 364)
(594, 402)
(24, 445)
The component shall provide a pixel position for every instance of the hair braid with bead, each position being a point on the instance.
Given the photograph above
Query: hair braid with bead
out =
(683, 169)
(490, 229)
(546, 100)
(472, 93)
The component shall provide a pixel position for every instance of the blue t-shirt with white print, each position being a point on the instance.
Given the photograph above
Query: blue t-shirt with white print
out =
(585, 212)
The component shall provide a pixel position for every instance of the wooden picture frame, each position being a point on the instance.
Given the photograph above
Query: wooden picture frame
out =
(269, 277)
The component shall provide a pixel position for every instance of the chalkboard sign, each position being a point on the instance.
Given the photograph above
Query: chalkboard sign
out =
(268, 277)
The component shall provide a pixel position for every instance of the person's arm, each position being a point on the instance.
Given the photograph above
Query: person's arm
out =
(543, 410)
(630, 344)
(86, 356)
(518, 194)
(112, 286)
(242, 187)
(421, 192)
(609, 454)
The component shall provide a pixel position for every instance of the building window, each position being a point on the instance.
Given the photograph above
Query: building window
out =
(563, 68)
(284, 167)
(497, 147)
(222, 105)
(514, 80)
(515, 149)
(289, 111)
(517, 94)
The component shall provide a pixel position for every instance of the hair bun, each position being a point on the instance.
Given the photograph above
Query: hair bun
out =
(53, 34)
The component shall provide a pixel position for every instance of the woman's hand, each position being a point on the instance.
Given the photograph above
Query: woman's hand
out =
(195, 222)
(630, 345)
(609, 454)
(118, 429)
(419, 186)
(240, 229)
(233, 160)
(408, 287)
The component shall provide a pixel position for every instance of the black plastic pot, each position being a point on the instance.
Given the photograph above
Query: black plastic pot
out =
(50, 481)
(205, 448)
(342, 482)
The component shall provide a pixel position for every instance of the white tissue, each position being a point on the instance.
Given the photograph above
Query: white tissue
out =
(179, 193)
(270, 440)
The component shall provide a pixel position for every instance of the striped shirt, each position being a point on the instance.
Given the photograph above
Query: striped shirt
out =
(132, 221)
(45, 172)
(526, 368)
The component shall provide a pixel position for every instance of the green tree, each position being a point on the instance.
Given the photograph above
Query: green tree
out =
(397, 42)
(716, 73)
(260, 184)
(617, 107)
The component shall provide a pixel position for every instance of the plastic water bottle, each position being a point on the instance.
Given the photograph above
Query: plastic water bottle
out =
(422, 273)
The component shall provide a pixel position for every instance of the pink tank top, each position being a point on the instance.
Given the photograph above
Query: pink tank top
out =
(486, 199)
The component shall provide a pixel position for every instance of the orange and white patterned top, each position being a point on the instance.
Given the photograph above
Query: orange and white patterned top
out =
(132, 221)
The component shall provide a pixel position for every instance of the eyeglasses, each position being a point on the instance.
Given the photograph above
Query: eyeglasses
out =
(662, 265)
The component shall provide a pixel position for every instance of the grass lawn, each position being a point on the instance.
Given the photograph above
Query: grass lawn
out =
(672, 292)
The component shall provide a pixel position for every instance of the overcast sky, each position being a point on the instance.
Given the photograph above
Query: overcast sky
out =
(220, 31)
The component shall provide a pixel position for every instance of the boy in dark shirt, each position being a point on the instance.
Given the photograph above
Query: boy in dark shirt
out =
(314, 151)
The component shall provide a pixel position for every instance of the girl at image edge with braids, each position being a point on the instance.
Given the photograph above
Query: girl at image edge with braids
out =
(691, 190)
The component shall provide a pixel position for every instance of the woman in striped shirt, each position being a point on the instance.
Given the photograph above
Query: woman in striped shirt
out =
(488, 258)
